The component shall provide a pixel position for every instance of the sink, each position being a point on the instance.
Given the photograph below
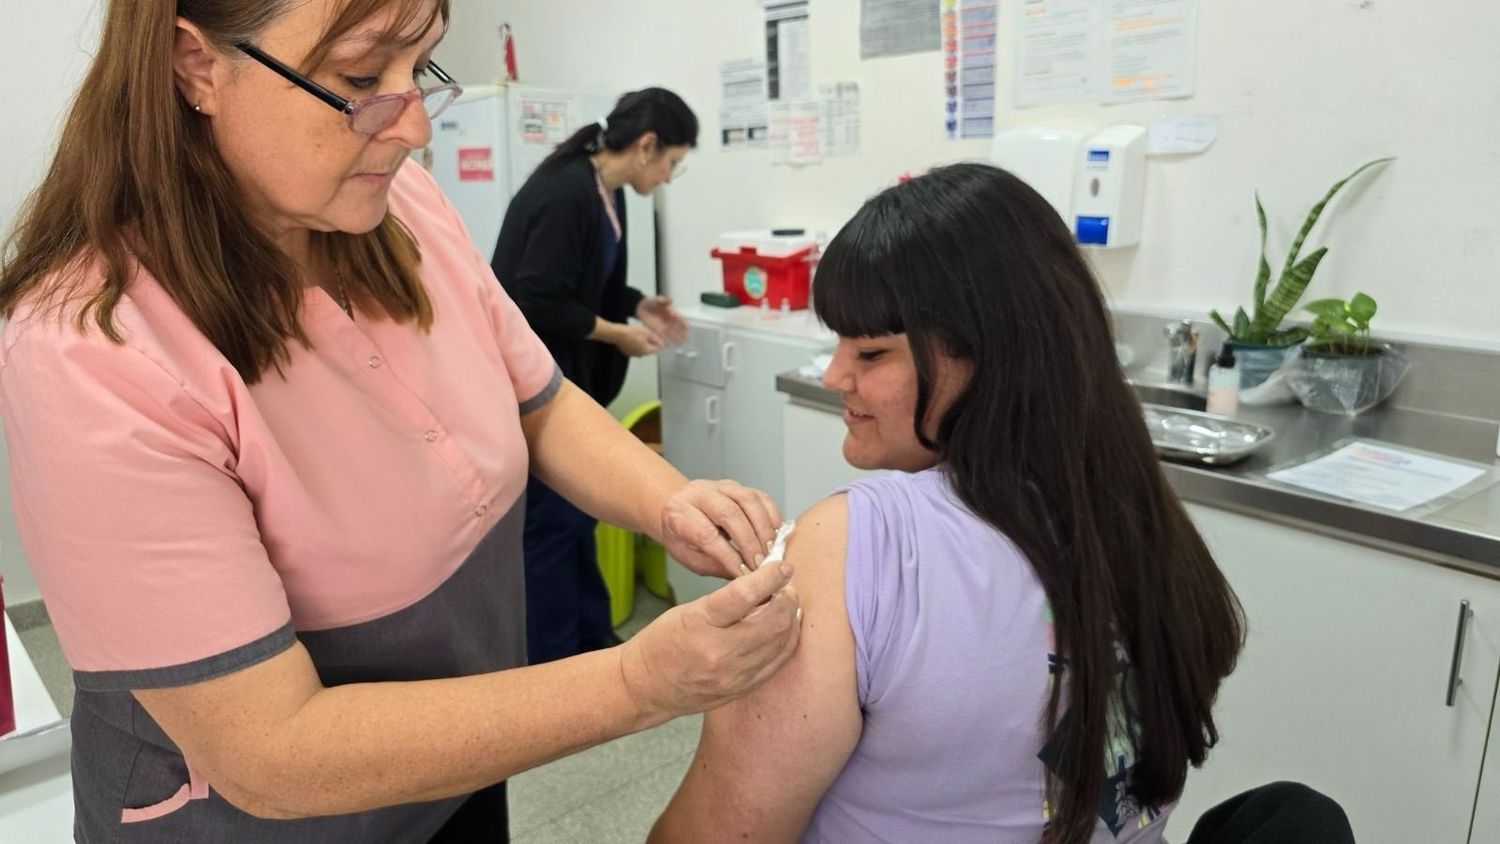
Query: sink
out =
(1169, 395)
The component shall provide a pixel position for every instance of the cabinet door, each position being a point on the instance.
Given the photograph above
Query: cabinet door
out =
(692, 427)
(692, 420)
(697, 358)
(1343, 681)
(815, 464)
(1486, 827)
(754, 448)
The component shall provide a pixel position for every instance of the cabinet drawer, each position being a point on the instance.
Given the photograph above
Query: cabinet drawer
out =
(700, 358)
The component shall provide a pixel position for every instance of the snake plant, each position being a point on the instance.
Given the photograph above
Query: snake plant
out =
(1272, 303)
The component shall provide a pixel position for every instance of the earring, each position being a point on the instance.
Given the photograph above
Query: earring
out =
(198, 107)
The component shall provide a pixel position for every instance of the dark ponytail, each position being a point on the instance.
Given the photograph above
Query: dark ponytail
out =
(636, 113)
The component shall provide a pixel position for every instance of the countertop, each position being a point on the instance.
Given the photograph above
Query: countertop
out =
(1464, 534)
(802, 323)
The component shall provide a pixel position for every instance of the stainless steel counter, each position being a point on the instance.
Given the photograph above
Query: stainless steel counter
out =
(1465, 534)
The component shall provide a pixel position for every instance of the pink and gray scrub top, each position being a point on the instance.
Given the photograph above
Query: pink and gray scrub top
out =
(366, 500)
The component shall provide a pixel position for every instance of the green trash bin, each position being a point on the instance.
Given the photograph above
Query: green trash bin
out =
(651, 568)
(616, 550)
(624, 556)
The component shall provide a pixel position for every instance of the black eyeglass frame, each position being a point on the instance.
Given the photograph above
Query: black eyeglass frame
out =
(352, 108)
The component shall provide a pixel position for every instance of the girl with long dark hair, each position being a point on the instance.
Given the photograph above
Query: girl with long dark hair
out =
(1016, 636)
(561, 256)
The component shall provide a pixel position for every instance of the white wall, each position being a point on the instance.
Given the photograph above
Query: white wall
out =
(1305, 89)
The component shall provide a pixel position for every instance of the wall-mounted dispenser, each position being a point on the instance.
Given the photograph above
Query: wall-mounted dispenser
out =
(1109, 192)
(1044, 158)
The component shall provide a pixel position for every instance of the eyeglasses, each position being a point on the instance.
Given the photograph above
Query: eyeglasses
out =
(375, 115)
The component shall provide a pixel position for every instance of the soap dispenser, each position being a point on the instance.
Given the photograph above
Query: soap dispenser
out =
(1224, 384)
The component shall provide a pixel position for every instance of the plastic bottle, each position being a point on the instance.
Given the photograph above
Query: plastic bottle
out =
(1224, 384)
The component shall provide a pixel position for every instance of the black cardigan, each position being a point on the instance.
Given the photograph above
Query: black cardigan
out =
(550, 259)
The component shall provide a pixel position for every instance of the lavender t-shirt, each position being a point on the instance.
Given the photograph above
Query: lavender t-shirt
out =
(953, 640)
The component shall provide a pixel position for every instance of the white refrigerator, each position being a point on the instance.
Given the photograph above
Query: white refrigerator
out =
(485, 146)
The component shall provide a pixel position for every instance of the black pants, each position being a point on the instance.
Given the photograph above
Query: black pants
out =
(1279, 813)
(482, 819)
(567, 605)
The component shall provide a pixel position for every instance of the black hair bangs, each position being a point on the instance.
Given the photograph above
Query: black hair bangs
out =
(854, 293)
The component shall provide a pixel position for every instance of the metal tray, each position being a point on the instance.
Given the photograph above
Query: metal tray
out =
(1203, 437)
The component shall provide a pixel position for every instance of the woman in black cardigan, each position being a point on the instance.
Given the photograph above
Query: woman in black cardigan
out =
(561, 256)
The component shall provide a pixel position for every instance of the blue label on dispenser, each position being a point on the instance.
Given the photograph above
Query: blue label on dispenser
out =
(1101, 155)
(1092, 230)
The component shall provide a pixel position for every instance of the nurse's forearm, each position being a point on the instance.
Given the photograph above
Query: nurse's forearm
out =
(362, 746)
(585, 454)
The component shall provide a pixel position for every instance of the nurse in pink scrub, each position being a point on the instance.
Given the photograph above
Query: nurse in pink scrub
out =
(270, 419)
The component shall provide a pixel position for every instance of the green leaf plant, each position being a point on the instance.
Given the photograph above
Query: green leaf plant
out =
(1271, 303)
(1342, 328)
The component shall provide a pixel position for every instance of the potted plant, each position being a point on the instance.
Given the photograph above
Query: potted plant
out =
(1260, 343)
(1341, 369)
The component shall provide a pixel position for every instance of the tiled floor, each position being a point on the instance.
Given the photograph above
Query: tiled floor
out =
(608, 794)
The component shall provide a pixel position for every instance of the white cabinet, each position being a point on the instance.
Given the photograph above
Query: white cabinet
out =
(1343, 682)
(721, 413)
(1486, 829)
(814, 460)
(692, 419)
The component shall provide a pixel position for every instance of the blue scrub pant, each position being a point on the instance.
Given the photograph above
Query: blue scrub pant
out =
(567, 605)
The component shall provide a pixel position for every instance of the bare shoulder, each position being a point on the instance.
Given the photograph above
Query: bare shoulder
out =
(816, 548)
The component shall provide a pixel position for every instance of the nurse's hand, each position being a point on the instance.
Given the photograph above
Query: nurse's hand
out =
(657, 314)
(714, 527)
(701, 655)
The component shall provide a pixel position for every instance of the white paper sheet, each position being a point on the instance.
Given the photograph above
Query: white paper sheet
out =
(545, 122)
(841, 119)
(805, 132)
(1057, 51)
(1380, 476)
(743, 119)
(1182, 135)
(897, 27)
(788, 50)
(1151, 50)
(779, 131)
(1105, 51)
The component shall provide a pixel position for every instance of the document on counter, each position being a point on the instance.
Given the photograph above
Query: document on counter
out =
(1380, 476)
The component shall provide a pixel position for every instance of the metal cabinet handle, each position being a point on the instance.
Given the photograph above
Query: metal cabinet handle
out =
(728, 357)
(711, 410)
(1459, 637)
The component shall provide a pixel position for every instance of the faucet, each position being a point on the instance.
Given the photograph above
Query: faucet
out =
(1182, 352)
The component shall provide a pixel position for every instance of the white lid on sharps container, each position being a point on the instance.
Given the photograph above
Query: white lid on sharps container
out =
(764, 242)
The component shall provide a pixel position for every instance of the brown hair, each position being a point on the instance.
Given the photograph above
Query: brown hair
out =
(136, 178)
(1047, 443)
